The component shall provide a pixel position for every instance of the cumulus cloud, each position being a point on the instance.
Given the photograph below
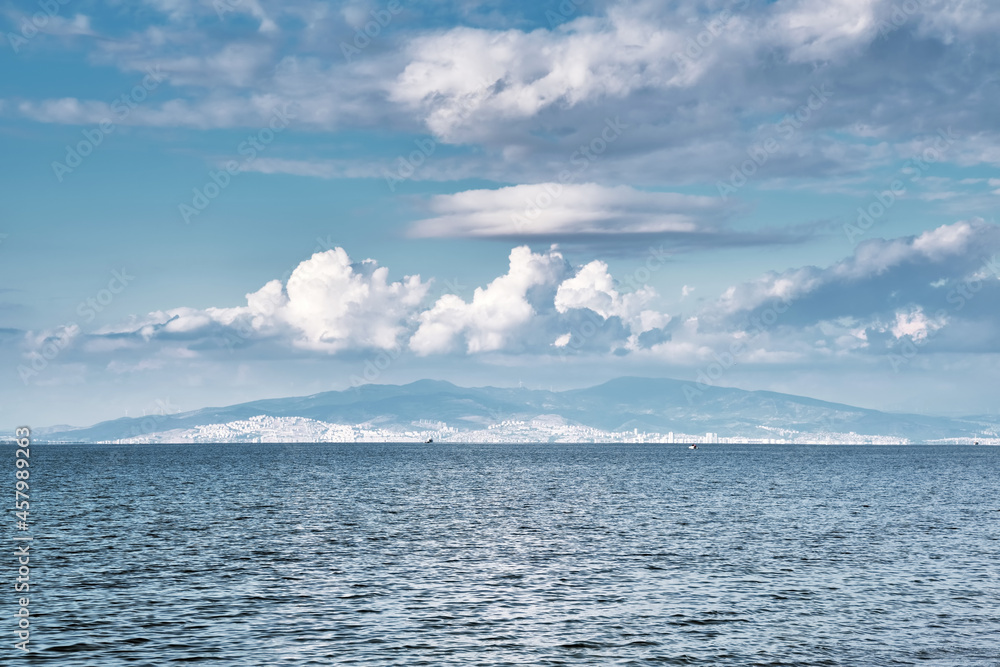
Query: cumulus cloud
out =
(942, 283)
(335, 304)
(331, 305)
(888, 293)
(328, 304)
(933, 251)
(539, 304)
(496, 314)
(594, 289)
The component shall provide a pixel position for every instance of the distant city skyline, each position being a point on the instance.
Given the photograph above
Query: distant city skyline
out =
(627, 410)
(211, 203)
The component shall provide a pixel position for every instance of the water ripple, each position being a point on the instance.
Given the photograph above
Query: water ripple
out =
(515, 555)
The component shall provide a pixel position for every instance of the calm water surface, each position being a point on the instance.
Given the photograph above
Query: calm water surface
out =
(512, 555)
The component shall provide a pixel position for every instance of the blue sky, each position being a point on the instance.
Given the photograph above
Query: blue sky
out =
(210, 202)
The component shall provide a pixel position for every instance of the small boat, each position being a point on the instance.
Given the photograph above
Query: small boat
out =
(692, 446)
(428, 441)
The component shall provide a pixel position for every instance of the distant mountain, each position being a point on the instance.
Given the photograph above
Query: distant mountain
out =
(633, 404)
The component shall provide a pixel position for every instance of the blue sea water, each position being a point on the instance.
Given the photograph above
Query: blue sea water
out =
(445, 554)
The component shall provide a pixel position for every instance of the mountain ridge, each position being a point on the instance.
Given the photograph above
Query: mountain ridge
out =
(652, 405)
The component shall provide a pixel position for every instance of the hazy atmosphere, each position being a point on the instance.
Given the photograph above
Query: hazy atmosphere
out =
(207, 203)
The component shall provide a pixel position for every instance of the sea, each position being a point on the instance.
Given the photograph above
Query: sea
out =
(509, 554)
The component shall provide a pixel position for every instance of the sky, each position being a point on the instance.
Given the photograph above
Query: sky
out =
(208, 202)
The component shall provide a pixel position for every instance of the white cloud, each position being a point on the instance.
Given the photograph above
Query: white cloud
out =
(496, 314)
(858, 307)
(338, 305)
(823, 29)
(771, 286)
(915, 324)
(531, 306)
(871, 259)
(329, 304)
(525, 100)
(182, 11)
(552, 209)
(593, 288)
(467, 82)
(464, 76)
(327, 169)
(59, 25)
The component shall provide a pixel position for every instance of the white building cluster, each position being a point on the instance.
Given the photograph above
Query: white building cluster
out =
(544, 428)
